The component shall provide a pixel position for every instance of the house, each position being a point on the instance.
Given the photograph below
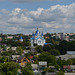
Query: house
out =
(22, 60)
(52, 67)
(7, 48)
(9, 37)
(67, 68)
(26, 51)
(62, 36)
(71, 52)
(19, 72)
(0, 39)
(37, 72)
(38, 54)
(66, 56)
(2, 50)
(13, 48)
(34, 67)
(72, 68)
(69, 73)
(14, 57)
(42, 65)
(31, 58)
(50, 73)
(46, 37)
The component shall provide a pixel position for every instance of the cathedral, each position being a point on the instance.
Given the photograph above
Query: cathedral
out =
(37, 38)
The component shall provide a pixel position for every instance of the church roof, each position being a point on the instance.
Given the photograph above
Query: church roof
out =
(37, 32)
(42, 34)
(37, 35)
(21, 39)
(48, 43)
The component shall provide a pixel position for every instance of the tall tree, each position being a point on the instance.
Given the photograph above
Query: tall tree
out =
(9, 68)
(39, 49)
(54, 52)
(27, 70)
(63, 46)
(48, 47)
(60, 73)
(19, 50)
(46, 56)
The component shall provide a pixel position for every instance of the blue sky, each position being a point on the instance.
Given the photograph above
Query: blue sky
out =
(9, 5)
(24, 16)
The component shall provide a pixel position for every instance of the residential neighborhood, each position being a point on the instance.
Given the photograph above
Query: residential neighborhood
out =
(37, 55)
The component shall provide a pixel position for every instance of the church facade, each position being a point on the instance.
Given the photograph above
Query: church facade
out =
(37, 38)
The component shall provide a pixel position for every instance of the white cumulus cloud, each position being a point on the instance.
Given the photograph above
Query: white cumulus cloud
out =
(58, 18)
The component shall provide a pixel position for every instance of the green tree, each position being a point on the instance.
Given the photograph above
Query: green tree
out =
(53, 42)
(61, 63)
(69, 62)
(46, 56)
(71, 46)
(3, 59)
(27, 43)
(55, 52)
(19, 50)
(1, 73)
(9, 68)
(60, 73)
(27, 70)
(10, 73)
(63, 46)
(48, 47)
(28, 54)
(48, 70)
(8, 53)
(57, 66)
(73, 60)
(39, 49)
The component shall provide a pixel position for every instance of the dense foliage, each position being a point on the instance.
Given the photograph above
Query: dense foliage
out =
(65, 46)
(27, 70)
(9, 68)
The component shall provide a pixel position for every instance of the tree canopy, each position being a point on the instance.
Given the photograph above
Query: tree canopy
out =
(19, 50)
(9, 68)
(27, 70)
(46, 56)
